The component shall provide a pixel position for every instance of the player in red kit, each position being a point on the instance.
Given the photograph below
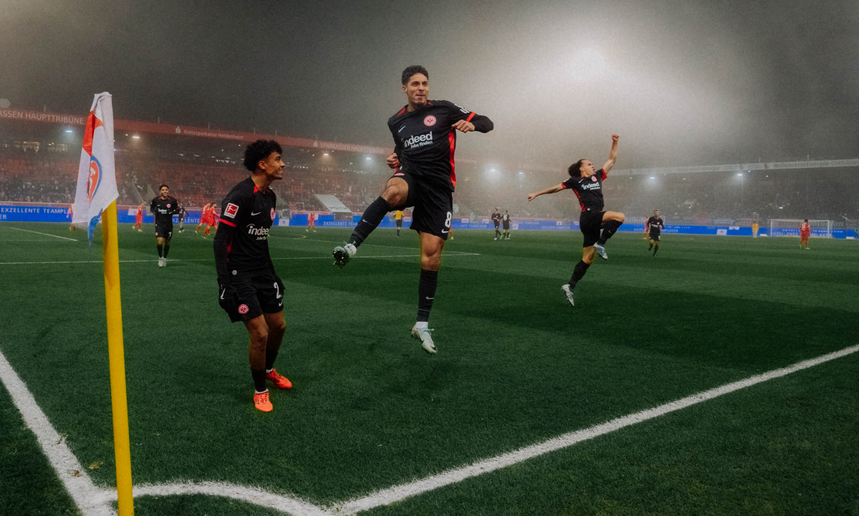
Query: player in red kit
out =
(804, 233)
(138, 219)
(311, 222)
(204, 219)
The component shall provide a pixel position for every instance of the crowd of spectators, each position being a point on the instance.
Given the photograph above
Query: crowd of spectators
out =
(50, 177)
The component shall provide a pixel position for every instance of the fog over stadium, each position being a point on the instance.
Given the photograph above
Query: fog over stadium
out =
(683, 83)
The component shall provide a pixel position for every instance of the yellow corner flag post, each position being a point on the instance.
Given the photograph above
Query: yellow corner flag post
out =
(122, 447)
(96, 197)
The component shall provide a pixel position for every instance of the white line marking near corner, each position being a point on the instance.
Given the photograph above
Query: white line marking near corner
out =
(94, 501)
(401, 492)
(46, 234)
(285, 258)
(86, 495)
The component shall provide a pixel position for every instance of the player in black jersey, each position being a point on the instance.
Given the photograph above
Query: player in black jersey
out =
(654, 227)
(424, 176)
(586, 182)
(505, 223)
(496, 220)
(163, 208)
(181, 218)
(249, 288)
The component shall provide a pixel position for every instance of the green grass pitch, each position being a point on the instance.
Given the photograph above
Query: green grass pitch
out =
(516, 365)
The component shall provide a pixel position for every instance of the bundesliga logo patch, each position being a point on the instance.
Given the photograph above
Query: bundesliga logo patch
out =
(429, 121)
(231, 210)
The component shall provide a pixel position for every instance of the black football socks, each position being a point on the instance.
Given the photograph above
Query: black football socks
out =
(160, 250)
(578, 273)
(370, 220)
(609, 230)
(426, 293)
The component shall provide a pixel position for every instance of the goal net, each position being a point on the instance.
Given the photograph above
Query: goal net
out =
(790, 227)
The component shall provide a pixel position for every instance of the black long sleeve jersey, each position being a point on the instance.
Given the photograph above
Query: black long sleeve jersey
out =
(425, 141)
(588, 190)
(241, 243)
(163, 208)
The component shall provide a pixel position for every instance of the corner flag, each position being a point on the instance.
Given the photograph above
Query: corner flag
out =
(96, 172)
(96, 195)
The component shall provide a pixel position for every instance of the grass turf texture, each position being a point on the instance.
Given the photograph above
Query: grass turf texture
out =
(516, 365)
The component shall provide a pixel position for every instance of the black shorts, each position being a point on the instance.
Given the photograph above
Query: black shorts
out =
(506, 226)
(590, 223)
(164, 230)
(654, 235)
(432, 202)
(399, 223)
(251, 294)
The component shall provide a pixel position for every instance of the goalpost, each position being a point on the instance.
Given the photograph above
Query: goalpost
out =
(790, 227)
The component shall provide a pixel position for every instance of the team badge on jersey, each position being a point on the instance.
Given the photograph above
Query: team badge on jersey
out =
(272, 214)
(231, 210)
(168, 204)
(243, 309)
(429, 121)
(593, 178)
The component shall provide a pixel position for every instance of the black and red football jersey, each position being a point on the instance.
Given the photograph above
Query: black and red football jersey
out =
(247, 214)
(588, 190)
(425, 141)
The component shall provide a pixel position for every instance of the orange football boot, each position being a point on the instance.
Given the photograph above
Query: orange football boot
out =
(279, 380)
(261, 402)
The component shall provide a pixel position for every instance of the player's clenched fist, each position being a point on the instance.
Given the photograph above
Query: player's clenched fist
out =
(393, 160)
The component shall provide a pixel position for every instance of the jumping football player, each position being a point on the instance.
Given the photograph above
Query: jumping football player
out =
(249, 288)
(586, 182)
(424, 176)
(654, 227)
(164, 207)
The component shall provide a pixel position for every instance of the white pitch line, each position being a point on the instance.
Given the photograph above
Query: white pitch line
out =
(46, 234)
(450, 253)
(252, 495)
(401, 492)
(85, 494)
(93, 501)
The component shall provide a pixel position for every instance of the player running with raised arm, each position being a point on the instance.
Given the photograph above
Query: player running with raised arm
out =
(586, 182)
(249, 288)
(164, 207)
(804, 233)
(424, 134)
(654, 228)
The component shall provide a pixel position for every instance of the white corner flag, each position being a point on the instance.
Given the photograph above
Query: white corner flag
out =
(96, 173)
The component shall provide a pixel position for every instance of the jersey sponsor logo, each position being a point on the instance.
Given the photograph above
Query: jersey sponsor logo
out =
(231, 210)
(592, 186)
(418, 140)
(273, 214)
(243, 309)
(260, 233)
(429, 121)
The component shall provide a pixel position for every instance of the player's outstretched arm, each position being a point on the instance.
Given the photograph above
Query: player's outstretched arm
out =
(612, 155)
(552, 189)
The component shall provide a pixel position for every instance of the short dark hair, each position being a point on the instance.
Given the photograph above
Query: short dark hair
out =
(575, 169)
(162, 186)
(408, 72)
(258, 151)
